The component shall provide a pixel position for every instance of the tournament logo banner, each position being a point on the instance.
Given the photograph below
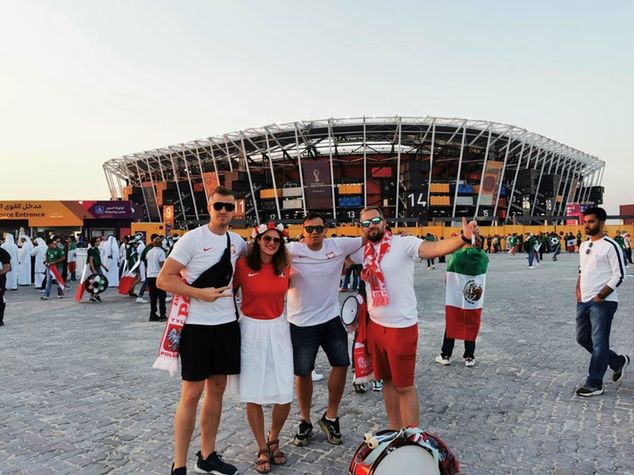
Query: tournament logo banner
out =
(65, 213)
(490, 182)
(317, 184)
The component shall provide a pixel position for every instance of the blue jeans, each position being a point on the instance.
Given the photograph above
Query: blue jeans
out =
(49, 284)
(143, 287)
(594, 321)
(531, 256)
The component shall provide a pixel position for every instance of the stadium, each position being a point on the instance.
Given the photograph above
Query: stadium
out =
(420, 170)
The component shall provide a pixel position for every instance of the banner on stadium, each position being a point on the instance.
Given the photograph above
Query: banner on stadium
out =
(317, 184)
(168, 214)
(150, 199)
(490, 182)
(210, 180)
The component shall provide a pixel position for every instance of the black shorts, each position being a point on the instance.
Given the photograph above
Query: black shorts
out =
(208, 350)
(331, 336)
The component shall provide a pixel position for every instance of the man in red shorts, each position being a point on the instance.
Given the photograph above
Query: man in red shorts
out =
(388, 270)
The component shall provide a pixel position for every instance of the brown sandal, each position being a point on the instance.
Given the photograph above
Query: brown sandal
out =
(277, 456)
(263, 465)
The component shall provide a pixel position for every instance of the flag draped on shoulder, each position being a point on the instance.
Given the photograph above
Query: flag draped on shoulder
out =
(466, 279)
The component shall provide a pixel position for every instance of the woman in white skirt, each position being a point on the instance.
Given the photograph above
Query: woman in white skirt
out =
(266, 373)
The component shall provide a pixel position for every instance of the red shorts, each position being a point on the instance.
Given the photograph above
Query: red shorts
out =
(393, 353)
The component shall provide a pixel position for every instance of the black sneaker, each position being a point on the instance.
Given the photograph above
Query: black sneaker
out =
(154, 319)
(179, 471)
(214, 464)
(617, 377)
(331, 428)
(588, 391)
(97, 298)
(304, 433)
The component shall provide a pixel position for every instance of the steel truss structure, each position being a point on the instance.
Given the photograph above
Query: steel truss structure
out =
(539, 176)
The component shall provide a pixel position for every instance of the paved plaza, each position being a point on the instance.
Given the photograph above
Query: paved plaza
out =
(79, 396)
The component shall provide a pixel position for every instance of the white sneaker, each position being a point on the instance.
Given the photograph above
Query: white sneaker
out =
(442, 361)
(140, 300)
(315, 376)
(469, 362)
(168, 299)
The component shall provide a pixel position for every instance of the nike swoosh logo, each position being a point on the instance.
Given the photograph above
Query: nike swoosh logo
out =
(205, 249)
(251, 275)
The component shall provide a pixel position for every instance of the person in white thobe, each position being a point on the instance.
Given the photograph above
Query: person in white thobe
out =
(12, 276)
(112, 262)
(24, 269)
(39, 252)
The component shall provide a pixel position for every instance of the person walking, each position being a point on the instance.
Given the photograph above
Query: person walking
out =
(39, 252)
(210, 338)
(12, 276)
(313, 313)
(54, 257)
(94, 262)
(601, 272)
(266, 356)
(155, 258)
(24, 269)
(5, 267)
(392, 328)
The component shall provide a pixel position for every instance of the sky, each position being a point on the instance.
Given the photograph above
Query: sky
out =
(85, 81)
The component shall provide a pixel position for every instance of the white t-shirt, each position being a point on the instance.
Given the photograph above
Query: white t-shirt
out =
(154, 258)
(198, 250)
(313, 294)
(398, 269)
(600, 265)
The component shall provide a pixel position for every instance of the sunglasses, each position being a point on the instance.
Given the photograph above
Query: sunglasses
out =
(218, 205)
(366, 222)
(268, 239)
(589, 248)
(312, 229)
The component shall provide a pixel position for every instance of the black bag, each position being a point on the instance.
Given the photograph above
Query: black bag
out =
(218, 275)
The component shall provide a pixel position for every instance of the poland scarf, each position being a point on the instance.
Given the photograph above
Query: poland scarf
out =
(466, 279)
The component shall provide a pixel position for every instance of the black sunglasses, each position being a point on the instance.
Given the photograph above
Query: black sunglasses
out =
(218, 205)
(275, 240)
(311, 229)
(366, 222)
(589, 248)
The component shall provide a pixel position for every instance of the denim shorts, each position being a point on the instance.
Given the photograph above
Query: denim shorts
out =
(331, 336)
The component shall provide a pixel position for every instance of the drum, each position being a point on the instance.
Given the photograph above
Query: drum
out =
(350, 310)
(409, 451)
(96, 283)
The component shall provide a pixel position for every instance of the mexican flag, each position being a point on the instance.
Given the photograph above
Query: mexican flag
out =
(466, 279)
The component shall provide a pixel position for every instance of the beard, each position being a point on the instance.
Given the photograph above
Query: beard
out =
(375, 235)
(593, 231)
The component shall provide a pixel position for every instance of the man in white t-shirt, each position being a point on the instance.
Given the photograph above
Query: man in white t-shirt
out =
(210, 339)
(313, 313)
(155, 258)
(601, 271)
(392, 331)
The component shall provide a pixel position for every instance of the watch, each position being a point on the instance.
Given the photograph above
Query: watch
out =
(465, 239)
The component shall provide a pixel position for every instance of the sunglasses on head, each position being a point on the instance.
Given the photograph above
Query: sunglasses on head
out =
(311, 229)
(366, 222)
(218, 205)
(275, 240)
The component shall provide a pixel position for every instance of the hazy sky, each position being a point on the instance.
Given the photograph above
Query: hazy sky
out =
(85, 81)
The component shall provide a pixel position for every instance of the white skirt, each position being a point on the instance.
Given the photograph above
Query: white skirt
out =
(266, 358)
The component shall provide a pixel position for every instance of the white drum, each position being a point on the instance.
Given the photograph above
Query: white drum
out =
(405, 459)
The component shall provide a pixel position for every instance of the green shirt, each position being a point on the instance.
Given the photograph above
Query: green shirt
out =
(96, 258)
(54, 254)
(620, 240)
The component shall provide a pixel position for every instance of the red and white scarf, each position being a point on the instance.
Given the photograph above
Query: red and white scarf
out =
(372, 273)
(169, 350)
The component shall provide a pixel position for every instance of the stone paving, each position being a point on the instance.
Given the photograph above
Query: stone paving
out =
(79, 397)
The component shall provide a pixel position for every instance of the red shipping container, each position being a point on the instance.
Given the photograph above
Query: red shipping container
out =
(381, 172)
(627, 210)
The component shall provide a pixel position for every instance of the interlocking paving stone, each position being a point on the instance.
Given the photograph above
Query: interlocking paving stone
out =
(79, 397)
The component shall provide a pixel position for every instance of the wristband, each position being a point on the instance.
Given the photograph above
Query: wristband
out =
(465, 239)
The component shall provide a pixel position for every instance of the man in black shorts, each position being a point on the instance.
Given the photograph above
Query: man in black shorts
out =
(210, 338)
(313, 313)
(5, 266)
